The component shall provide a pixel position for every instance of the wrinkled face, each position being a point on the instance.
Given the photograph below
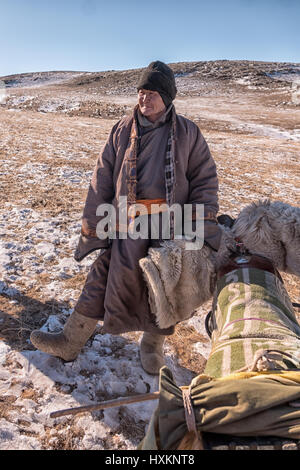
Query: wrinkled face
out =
(151, 104)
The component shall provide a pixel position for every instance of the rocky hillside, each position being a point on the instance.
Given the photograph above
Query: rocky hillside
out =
(78, 93)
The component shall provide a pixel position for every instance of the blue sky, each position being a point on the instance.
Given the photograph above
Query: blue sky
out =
(97, 35)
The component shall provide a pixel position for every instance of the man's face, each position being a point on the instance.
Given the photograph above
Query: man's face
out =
(151, 104)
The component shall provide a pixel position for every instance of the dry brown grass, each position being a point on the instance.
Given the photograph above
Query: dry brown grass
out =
(62, 437)
(249, 166)
(182, 342)
(7, 405)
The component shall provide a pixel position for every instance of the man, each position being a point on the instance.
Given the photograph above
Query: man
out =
(152, 156)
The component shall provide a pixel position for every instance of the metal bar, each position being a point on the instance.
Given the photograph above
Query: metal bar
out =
(106, 404)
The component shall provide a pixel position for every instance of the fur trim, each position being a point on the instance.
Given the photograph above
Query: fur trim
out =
(180, 280)
(272, 229)
(172, 275)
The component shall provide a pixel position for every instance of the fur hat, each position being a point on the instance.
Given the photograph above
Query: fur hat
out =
(159, 77)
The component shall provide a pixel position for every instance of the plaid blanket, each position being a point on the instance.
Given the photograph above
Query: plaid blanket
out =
(253, 311)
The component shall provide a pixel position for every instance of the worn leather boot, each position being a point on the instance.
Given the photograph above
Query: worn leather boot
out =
(151, 353)
(68, 343)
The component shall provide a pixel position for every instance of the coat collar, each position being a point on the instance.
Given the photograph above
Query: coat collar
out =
(144, 122)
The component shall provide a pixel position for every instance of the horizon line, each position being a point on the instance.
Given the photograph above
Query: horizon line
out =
(139, 68)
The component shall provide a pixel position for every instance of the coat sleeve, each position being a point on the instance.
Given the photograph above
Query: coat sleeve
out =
(101, 191)
(204, 186)
(202, 175)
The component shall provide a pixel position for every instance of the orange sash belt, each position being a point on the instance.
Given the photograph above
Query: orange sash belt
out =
(155, 210)
(150, 207)
(144, 207)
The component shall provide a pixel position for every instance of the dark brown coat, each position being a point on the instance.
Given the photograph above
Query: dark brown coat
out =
(115, 290)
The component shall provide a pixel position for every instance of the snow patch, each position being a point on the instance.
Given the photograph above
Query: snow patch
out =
(290, 75)
(108, 367)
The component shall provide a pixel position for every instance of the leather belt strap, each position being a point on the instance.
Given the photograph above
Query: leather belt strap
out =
(190, 420)
(143, 207)
(188, 410)
(148, 206)
(211, 216)
(253, 261)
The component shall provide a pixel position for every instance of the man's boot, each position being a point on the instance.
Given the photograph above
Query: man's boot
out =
(68, 343)
(151, 353)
